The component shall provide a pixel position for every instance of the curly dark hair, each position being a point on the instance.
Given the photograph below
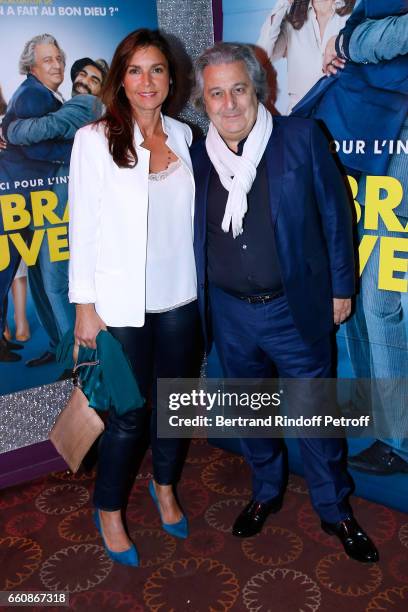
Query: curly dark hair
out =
(298, 12)
(118, 119)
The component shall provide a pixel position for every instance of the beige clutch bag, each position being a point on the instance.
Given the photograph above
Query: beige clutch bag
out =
(76, 427)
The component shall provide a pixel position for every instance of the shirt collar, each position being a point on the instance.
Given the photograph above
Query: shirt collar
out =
(310, 7)
(241, 146)
(57, 94)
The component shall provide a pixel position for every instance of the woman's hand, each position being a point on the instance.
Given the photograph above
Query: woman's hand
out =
(3, 142)
(87, 325)
(331, 62)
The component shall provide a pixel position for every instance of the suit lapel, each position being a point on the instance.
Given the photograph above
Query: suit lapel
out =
(274, 165)
(202, 170)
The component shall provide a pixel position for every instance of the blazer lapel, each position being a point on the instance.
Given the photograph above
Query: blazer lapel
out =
(202, 170)
(274, 164)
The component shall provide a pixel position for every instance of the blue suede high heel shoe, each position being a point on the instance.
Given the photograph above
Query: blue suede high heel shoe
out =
(126, 557)
(179, 529)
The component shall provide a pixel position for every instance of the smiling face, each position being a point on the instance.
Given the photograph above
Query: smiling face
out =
(230, 101)
(147, 80)
(49, 65)
(88, 81)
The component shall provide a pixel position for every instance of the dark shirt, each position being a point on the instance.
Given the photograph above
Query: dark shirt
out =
(248, 264)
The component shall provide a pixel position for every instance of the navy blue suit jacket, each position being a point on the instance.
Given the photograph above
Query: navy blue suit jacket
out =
(312, 222)
(37, 161)
(364, 101)
(33, 99)
(377, 9)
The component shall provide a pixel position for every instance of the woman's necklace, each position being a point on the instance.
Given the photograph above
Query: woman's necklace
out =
(168, 157)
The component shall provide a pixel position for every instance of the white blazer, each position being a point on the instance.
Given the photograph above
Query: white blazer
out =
(108, 223)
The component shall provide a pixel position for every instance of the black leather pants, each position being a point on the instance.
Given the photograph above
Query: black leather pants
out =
(169, 345)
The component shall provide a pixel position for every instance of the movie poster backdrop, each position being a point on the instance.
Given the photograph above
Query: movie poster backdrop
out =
(34, 250)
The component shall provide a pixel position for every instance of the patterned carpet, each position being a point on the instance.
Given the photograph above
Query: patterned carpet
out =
(48, 542)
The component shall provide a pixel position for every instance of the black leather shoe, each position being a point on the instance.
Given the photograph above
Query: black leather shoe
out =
(356, 542)
(6, 355)
(378, 459)
(45, 358)
(12, 346)
(253, 516)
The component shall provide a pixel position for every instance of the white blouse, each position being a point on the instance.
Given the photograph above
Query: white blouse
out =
(303, 49)
(170, 269)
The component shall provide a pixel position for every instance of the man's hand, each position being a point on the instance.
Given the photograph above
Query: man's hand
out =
(331, 62)
(341, 309)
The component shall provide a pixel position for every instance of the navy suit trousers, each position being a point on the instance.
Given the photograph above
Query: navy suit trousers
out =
(249, 339)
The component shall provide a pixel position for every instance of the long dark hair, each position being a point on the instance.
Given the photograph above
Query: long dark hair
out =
(298, 12)
(3, 103)
(118, 119)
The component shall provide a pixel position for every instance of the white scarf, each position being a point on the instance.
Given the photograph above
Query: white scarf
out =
(238, 172)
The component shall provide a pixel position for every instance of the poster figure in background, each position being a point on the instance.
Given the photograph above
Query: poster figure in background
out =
(376, 335)
(275, 264)
(43, 62)
(19, 294)
(299, 31)
(48, 279)
(18, 290)
(378, 89)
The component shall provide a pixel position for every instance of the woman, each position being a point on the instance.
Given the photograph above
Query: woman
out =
(300, 30)
(132, 265)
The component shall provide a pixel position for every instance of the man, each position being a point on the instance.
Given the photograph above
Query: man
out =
(87, 78)
(43, 61)
(48, 280)
(275, 283)
(377, 334)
